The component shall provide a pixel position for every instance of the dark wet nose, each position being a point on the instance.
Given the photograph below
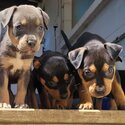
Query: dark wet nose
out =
(31, 42)
(64, 95)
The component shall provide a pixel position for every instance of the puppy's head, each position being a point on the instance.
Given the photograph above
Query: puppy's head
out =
(54, 76)
(96, 67)
(26, 26)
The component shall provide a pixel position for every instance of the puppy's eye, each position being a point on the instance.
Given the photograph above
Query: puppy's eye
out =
(110, 69)
(109, 72)
(52, 84)
(41, 28)
(19, 27)
(88, 73)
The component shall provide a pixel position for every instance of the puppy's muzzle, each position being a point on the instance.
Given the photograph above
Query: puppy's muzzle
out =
(31, 42)
(100, 89)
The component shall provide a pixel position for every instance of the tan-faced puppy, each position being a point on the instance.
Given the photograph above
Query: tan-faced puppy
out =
(52, 78)
(81, 91)
(23, 28)
(95, 60)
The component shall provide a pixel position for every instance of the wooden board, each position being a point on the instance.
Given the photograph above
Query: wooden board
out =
(89, 117)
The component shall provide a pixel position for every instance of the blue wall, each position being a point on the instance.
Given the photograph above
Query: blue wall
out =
(79, 8)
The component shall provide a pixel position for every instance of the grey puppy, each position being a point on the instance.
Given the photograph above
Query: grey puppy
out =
(24, 29)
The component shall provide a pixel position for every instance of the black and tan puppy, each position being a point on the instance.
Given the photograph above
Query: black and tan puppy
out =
(95, 60)
(52, 78)
(23, 28)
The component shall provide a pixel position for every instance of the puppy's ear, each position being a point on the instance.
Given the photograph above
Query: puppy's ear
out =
(6, 15)
(76, 56)
(36, 62)
(114, 50)
(45, 17)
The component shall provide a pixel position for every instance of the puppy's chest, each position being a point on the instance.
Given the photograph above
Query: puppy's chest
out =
(17, 63)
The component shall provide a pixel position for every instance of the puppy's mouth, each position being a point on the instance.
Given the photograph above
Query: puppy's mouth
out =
(26, 49)
(98, 92)
(61, 97)
(28, 44)
(29, 51)
(32, 50)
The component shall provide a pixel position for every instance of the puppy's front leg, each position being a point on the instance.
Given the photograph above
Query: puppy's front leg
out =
(22, 89)
(85, 98)
(84, 95)
(4, 94)
(118, 94)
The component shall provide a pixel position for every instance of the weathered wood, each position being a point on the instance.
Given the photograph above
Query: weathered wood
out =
(89, 117)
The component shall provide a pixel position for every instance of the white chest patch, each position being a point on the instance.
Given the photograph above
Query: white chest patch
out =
(17, 63)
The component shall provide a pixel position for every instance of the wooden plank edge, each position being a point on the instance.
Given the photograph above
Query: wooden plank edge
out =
(31, 116)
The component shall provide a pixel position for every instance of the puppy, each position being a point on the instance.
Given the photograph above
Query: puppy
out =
(81, 91)
(52, 78)
(94, 59)
(23, 28)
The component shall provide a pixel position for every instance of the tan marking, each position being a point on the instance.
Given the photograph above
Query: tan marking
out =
(80, 72)
(66, 76)
(12, 37)
(24, 22)
(84, 96)
(17, 63)
(22, 87)
(37, 22)
(92, 68)
(18, 55)
(4, 95)
(55, 79)
(92, 87)
(27, 64)
(54, 93)
(118, 94)
(108, 85)
(105, 67)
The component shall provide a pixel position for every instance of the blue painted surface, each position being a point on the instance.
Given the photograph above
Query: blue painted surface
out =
(79, 8)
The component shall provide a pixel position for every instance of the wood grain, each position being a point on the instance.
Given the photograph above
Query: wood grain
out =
(89, 117)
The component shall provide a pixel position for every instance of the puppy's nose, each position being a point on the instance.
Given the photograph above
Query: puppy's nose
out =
(100, 88)
(31, 42)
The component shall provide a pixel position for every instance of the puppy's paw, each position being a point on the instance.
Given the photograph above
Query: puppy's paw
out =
(58, 106)
(5, 105)
(86, 106)
(21, 106)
